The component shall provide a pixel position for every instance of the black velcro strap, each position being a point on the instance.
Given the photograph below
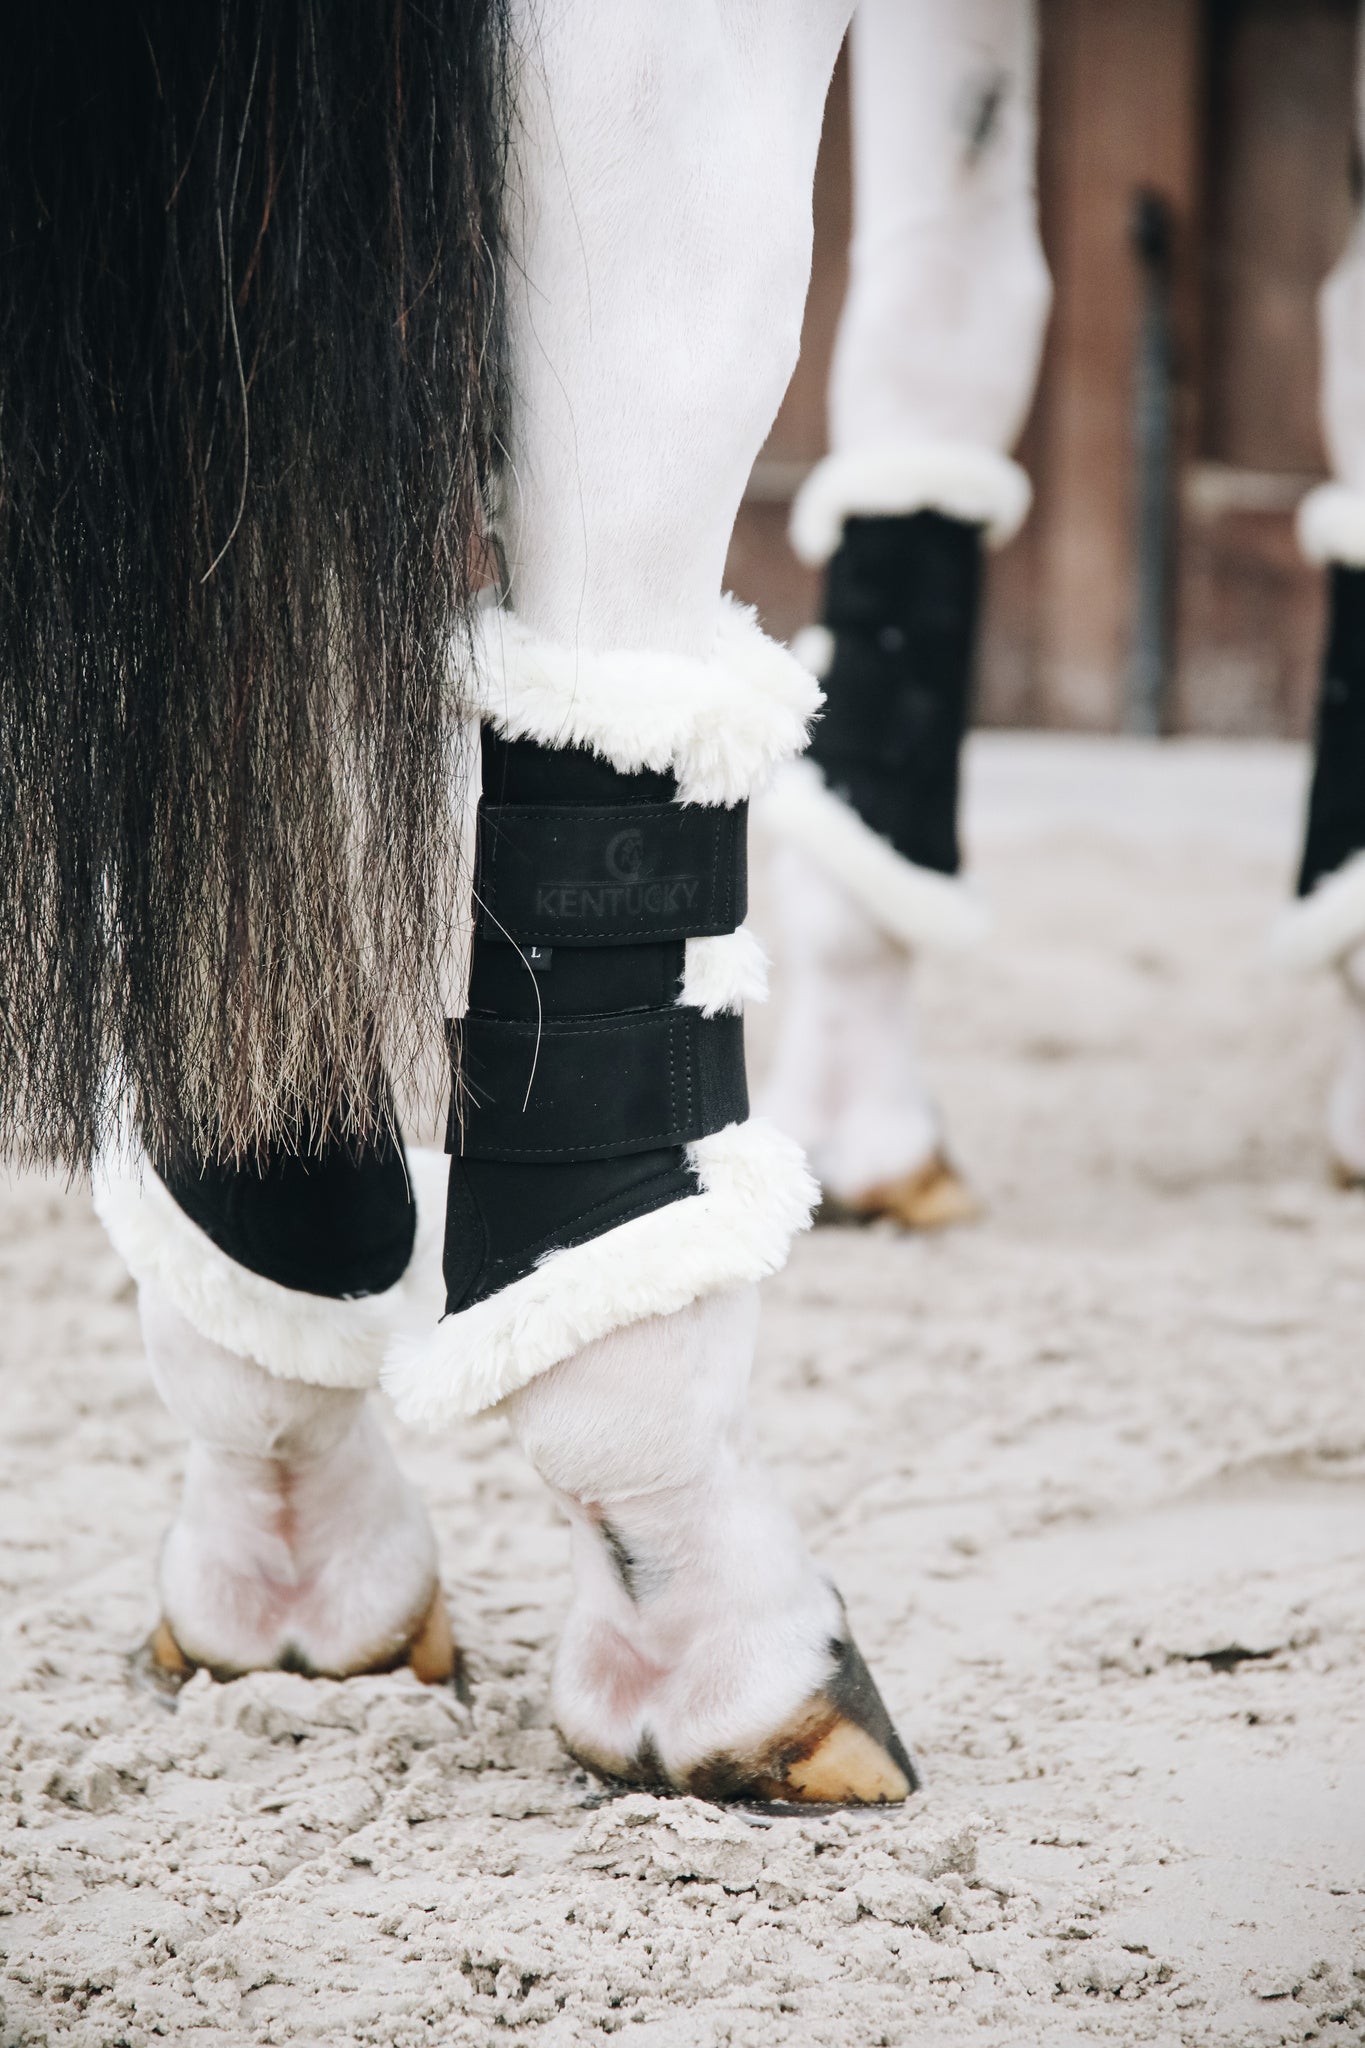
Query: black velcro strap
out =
(594, 1087)
(610, 874)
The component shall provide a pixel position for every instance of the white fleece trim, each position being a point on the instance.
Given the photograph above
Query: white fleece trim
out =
(958, 478)
(723, 974)
(295, 1336)
(722, 724)
(1330, 524)
(814, 649)
(1320, 929)
(755, 1193)
(420, 1296)
(915, 905)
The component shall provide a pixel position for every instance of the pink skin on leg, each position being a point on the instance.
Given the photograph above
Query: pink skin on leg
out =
(704, 1642)
(297, 1539)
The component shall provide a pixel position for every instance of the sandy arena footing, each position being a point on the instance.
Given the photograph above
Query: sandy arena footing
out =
(1091, 1476)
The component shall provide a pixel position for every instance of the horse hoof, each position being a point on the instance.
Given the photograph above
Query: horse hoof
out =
(840, 1749)
(430, 1653)
(161, 1664)
(1345, 1177)
(933, 1197)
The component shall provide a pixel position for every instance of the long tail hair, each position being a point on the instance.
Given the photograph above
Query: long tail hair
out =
(249, 378)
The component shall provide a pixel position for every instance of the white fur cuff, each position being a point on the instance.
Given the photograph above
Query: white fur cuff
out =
(957, 478)
(295, 1336)
(722, 724)
(1331, 525)
(916, 906)
(814, 649)
(1320, 929)
(723, 974)
(754, 1194)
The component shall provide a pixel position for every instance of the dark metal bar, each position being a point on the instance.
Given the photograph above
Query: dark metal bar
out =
(1149, 661)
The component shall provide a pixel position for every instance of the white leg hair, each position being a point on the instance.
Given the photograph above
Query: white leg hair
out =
(662, 213)
(661, 228)
(1341, 320)
(845, 1080)
(942, 327)
(934, 369)
(297, 1537)
(699, 1620)
(1332, 529)
(1346, 1101)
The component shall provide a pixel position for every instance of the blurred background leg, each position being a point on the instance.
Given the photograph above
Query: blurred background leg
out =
(933, 371)
(1325, 928)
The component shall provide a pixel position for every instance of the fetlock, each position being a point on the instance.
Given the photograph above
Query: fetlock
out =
(1346, 1099)
(297, 1542)
(704, 1650)
(846, 1079)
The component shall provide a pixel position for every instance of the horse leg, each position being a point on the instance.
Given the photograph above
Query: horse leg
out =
(266, 1296)
(704, 1649)
(611, 1203)
(1325, 927)
(934, 368)
(845, 1079)
(297, 1543)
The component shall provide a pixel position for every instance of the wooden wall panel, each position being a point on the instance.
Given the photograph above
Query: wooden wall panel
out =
(1123, 92)
(1239, 113)
(1281, 91)
(1279, 208)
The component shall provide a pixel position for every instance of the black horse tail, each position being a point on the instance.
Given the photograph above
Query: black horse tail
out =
(249, 387)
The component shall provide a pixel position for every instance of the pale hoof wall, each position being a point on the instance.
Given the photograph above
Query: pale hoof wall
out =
(167, 1655)
(160, 1666)
(933, 1197)
(840, 1749)
(431, 1654)
(847, 1767)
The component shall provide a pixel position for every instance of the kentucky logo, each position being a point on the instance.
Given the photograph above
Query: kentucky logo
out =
(625, 855)
(632, 891)
(604, 902)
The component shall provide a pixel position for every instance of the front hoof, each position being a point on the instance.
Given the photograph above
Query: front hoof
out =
(839, 1749)
(933, 1197)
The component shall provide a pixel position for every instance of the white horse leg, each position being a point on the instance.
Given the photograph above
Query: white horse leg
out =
(1325, 927)
(942, 330)
(1346, 1097)
(846, 1080)
(704, 1647)
(297, 1541)
(934, 368)
(662, 205)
